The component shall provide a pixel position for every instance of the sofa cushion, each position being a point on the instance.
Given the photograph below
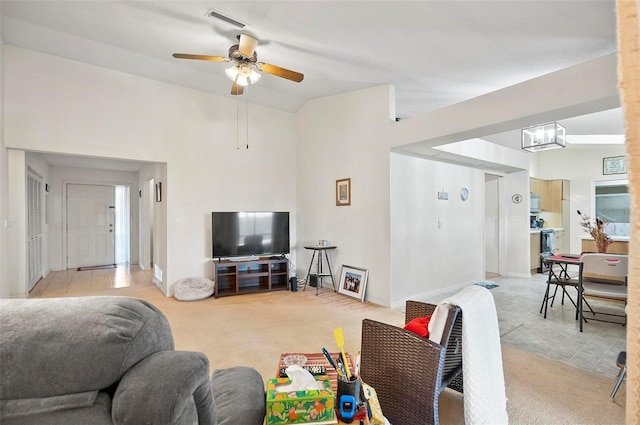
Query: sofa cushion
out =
(239, 386)
(44, 350)
(178, 380)
(36, 406)
(98, 413)
(438, 322)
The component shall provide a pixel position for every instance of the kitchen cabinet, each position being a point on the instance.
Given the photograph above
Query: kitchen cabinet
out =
(541, 187)
(552, 193)
(554, 202)
(617, 247)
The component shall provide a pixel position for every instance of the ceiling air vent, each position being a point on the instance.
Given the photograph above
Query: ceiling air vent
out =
(229, 20)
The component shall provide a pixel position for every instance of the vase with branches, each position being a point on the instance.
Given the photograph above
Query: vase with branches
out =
(596, 229)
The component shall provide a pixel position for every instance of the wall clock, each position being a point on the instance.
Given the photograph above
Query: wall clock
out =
(517, 198)
(464, 193)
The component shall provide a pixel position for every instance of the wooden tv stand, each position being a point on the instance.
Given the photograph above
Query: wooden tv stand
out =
(245, 277)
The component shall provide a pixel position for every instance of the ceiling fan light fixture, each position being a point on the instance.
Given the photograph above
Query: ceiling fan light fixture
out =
(242, 74)
(232, 73)
(254, 76)
(242, 81)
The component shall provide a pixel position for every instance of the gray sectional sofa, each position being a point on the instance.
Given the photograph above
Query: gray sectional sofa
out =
(111, 360)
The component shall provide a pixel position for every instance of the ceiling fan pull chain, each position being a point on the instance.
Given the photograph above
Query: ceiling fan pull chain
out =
(237, 125)
(247, 117)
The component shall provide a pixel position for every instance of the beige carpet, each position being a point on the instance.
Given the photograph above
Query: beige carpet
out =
(255, 329)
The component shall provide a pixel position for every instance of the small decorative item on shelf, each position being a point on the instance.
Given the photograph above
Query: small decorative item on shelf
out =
(596, 230)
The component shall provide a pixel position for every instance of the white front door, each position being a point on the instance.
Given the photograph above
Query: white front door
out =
(90, 225)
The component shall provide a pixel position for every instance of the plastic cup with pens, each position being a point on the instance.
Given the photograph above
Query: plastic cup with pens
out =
(349, 391)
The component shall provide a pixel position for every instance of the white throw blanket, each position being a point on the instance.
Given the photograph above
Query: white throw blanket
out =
(485, 400)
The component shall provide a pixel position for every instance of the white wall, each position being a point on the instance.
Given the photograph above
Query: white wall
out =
(343, 137)
(4, 191)
(74, 108)
(436, 244)
(16, 281)
(514, 236)
(582, 167)
(153, 221)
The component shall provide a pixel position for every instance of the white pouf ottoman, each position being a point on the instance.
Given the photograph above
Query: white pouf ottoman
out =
(193, 288)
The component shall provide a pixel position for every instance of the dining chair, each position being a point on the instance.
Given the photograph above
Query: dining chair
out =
(621, 362)
(558, 276)
(603, 276)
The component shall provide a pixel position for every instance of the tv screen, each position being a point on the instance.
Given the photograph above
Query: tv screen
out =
(239, 234)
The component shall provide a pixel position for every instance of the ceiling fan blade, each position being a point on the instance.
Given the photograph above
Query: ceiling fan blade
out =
(201, 57)
(236, 89)
(247, 45)
(280, 72)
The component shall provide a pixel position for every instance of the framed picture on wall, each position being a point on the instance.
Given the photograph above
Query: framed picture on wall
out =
(343, 192)
(353, 281)
(614, 165)
(159, 192)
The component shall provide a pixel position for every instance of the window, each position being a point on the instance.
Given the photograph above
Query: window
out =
(613, 205)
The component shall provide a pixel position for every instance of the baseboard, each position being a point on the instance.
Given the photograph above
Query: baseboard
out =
(525, 275)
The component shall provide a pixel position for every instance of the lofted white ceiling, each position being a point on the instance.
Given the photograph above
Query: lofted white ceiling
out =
(435, 53)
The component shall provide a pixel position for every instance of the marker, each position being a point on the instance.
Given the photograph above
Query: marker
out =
(331, 362)
(358, 364)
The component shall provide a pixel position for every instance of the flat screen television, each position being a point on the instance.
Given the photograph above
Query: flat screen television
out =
(242, 234)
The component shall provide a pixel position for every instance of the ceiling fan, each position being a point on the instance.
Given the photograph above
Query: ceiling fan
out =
(245, 58)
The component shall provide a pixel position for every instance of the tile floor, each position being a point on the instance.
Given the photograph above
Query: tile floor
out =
(78, 283)
(557, 337)
(518, 303)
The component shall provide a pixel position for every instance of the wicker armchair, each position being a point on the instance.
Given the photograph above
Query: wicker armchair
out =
(409, 372)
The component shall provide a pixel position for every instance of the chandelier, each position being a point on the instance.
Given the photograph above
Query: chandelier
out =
(543, 137)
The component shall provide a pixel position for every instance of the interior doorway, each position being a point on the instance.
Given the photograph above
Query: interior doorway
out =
(34, 227)
(491, 225)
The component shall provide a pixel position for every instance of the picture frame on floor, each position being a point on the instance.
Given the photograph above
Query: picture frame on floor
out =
(353, 281)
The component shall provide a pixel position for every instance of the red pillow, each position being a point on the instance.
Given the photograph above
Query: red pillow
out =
(419, 325)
